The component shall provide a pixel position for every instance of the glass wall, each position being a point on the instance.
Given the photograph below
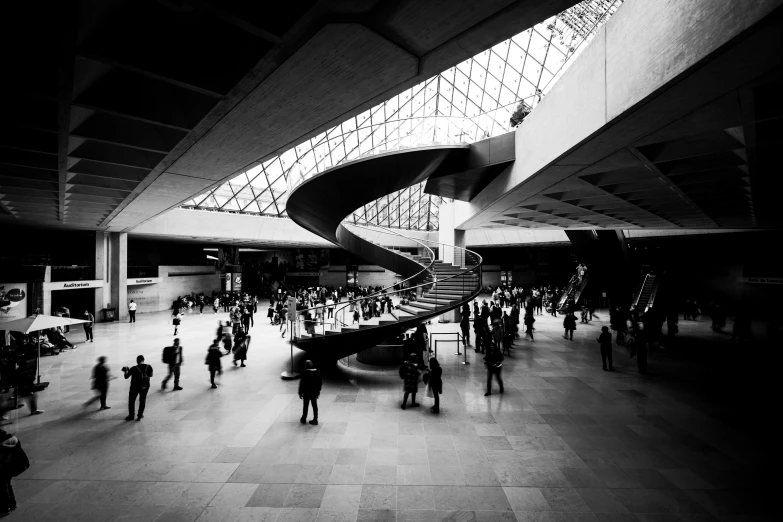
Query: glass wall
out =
(466, 103)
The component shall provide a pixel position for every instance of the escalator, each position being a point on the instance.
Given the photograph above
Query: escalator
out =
(428, 287)
(574, 290)
(644, 299)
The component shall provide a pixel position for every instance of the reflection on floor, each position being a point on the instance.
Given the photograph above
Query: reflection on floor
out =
(566, 441)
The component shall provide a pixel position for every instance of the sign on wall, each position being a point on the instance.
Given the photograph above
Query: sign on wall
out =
(13, 301)
(144, 281)
(72, 285)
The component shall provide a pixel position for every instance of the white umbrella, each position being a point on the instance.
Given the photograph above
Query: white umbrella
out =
(35, 323)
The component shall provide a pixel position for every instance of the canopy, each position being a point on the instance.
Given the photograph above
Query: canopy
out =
(35, 323)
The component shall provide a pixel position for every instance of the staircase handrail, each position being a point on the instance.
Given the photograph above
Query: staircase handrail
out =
(468, 270)
(382, 291)
(435, 279)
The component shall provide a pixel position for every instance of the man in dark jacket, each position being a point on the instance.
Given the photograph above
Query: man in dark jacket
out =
(172, 355)
(100, 383)
(140, 376)
(309, 390)
(494, 362)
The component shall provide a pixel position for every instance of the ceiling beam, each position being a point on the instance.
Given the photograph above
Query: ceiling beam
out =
(670, 184)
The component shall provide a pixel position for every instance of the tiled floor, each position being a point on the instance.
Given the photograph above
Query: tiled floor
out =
(566, 441)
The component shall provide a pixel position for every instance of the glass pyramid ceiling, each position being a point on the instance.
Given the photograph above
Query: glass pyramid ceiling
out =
(471, 101)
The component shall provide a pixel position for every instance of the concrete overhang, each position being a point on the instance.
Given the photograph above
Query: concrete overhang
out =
(670, 119)
(118, 111)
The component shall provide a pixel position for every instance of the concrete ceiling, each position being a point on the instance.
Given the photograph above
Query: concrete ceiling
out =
(665, 125)
(117, 111)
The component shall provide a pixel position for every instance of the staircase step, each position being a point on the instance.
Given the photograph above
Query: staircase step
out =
(439, 302)
(413, 311)
(426, 306)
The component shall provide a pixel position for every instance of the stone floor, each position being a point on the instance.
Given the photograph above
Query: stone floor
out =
(566, 441)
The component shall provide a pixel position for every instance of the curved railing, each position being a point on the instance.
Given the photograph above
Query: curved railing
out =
(340, 309)
(382, 138)
(441, 297)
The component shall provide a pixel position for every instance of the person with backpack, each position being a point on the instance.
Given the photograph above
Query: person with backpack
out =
(409, 373)
(569, 325)
(213, 361)
(605, 340)
(172, 355)
(494, 362)
(140, 384)
(241, 344)
(309, 391)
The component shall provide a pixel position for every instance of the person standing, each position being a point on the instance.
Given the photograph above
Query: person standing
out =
(247, 316)
(569, 324)
(464, 324)
(88, 325)
(435, 379)
(140, 376)
(172, 355)
(7, 498)
(309, 391)
(409, 372)
(66, 313)
(494, 362)
(100, 383)
(216, 304)
(132, 311)
(605, 340)
(213, 361)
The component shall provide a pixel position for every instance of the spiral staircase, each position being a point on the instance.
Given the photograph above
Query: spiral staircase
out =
(429, 287)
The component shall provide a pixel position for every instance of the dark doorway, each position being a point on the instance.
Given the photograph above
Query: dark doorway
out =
(77, 301)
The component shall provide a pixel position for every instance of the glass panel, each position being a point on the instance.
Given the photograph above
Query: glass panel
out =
(472, 101)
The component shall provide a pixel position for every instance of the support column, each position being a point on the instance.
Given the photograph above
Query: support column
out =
(101, 298)
(118, 273)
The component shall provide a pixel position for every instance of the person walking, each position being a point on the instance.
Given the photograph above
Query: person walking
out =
(88, 325)
(7, 498)
(494, 362)
(100, 383)
(25, 378)
(309, 391)
(140, 376)
(529, 320)
(66, 313)
(605, 340)
(409, 372)
(132, 311)
(216, 304)
(569, 324)
(435, 380)
(172, 355)
(241, 342)
(213, 361)
(176, 320)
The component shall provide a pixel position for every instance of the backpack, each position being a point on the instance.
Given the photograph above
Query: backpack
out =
(168, 355)
(145, 379)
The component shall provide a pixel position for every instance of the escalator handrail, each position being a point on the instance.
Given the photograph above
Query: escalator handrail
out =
(639, 291)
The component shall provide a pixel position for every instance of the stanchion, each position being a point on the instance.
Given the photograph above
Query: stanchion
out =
(458, 341)
(466, 357)
(290, 375)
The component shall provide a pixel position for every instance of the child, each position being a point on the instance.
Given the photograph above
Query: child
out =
(309, 390)
(177, 319)
(569, 323)
(605, 340)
